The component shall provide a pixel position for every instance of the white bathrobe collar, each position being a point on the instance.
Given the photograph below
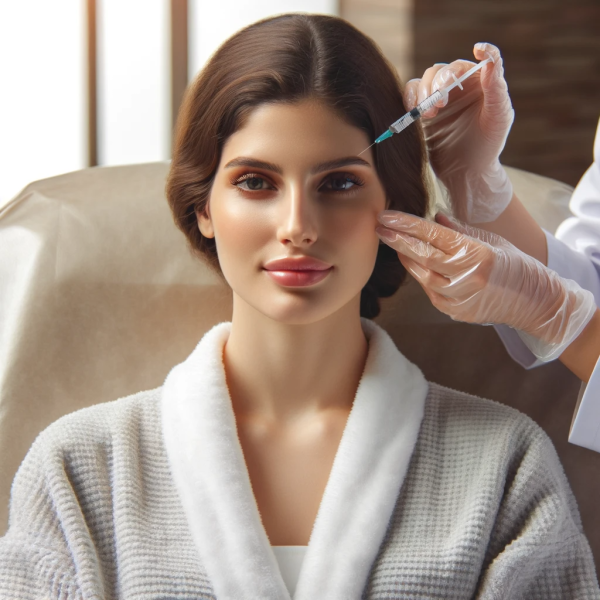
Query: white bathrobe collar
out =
(212, 480)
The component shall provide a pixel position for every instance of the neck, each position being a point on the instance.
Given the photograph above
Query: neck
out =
(284, 372)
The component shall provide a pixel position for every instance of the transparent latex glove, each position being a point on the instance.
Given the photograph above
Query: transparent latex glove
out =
(478, 277)
(466, 132)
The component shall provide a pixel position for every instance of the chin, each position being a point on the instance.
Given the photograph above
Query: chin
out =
(307, 309)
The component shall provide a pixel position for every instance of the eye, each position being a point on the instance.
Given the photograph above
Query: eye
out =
(250, 182)
(341, 182)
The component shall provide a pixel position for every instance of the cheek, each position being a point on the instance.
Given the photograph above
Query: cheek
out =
(356, 227)
(239, 228)
(366, 243)
(362, 232)
(357, 245)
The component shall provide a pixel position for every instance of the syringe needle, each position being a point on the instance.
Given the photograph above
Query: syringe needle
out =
(366, 149)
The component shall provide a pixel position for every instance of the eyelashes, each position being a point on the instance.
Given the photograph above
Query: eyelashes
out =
(337, 182)
(334, 183)
(253, 182)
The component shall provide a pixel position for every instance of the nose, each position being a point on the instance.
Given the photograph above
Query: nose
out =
(298, 218)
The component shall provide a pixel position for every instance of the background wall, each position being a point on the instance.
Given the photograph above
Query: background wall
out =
(551, 51)
(91, 82)
(390, 24)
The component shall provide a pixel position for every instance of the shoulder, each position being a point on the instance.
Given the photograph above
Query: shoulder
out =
(469, 424)
(474, 443)
(72, 463)
(102, 425)
(454, 406)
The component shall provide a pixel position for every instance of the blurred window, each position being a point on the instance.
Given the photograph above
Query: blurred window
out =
(43, 114)
(45, 119)
(134, 112)
(211, 23)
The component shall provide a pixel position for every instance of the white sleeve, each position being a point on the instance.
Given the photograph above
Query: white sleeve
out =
(585, 428)
(579, 265)
(515, 347)
(581, 232)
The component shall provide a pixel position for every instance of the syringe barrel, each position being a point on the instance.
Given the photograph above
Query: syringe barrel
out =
(403, 122)
(430, 101)
(415, 114)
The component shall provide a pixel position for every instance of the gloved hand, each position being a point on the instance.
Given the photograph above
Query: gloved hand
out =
(466, 133)
(478, 277)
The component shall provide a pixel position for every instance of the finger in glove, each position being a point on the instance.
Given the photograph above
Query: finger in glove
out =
(443, 238)
(419, 250)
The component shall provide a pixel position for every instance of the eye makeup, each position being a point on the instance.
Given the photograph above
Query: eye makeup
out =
(334, 179)
(332, 183)
(252, 182)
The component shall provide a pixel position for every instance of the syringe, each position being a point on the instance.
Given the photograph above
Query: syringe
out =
(411, 116)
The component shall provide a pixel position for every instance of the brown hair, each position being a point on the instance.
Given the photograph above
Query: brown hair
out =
(286, 59)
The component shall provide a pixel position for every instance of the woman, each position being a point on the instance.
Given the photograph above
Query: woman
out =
(550, 312)
(299, 424)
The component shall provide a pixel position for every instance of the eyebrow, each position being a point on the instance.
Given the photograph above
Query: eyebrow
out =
(329, 165)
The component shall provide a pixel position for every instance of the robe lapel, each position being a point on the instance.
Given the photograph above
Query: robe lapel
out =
(367, 474)
(211, 477)
(210, 474)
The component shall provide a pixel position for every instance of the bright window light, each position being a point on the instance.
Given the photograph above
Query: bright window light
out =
(43, 117)
(211, 23)
(134, 110)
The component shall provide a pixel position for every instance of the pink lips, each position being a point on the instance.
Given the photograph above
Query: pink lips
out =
(297, 272)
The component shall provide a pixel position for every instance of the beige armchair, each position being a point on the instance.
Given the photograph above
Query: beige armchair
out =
(100, 297)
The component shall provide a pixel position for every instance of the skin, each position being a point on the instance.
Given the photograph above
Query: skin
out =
(584, 352)
(517, 226)
(295, 356)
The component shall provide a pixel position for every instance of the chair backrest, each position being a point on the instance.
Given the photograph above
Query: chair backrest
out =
(100, 297)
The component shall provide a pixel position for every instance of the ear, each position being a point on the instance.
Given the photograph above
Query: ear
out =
(205, 223)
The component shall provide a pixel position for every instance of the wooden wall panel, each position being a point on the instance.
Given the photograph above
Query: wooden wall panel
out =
(551, 51)
(92, 83)
(179, 54)
(389, 23)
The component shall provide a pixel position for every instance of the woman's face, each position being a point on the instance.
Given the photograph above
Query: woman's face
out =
(293, 211)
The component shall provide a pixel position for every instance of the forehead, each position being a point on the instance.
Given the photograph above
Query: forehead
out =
(306, 131)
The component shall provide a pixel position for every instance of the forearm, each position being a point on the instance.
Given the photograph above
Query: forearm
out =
(581, 356)
(517, 226)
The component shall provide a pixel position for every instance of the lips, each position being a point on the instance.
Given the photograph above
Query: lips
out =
(299, 263)
(297, 271)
